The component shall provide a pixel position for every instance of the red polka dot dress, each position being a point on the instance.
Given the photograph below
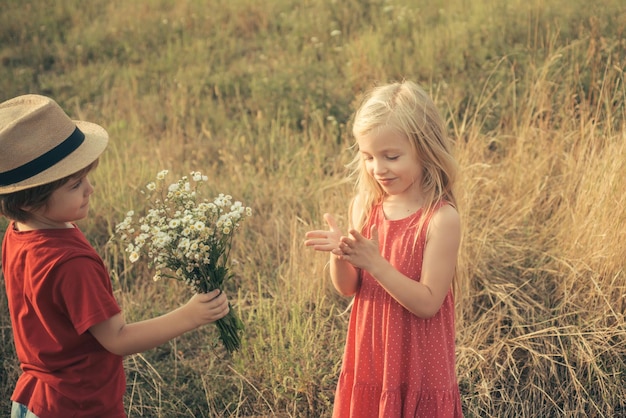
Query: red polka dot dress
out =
(396, 364)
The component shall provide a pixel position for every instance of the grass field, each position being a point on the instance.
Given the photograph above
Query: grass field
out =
(258, 95)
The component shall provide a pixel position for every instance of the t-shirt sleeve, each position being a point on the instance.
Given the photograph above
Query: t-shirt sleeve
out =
(83, 290)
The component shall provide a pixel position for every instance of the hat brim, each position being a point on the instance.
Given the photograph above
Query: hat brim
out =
(96, 141)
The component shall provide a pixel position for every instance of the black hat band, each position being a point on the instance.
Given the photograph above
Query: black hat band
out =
(43, 162)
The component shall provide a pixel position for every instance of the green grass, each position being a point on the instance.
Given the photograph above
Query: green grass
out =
(258, 95)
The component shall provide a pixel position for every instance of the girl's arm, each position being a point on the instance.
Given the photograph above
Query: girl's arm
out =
(124, 339)
(344, 275)
(423, 298)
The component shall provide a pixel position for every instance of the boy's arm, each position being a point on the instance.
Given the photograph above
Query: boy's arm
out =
(124, 339)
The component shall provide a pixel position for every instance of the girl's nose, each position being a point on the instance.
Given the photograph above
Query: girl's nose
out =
(379, 166)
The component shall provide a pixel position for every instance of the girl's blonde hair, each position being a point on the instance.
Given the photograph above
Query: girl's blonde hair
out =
(406, 108)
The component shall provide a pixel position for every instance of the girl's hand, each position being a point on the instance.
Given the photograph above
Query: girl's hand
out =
(359, 251)
(324, 240)
(344, 276)
(204, 308)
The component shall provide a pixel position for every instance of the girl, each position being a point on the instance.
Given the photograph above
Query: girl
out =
(398, 260)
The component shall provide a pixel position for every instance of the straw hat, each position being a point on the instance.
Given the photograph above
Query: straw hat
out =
(39, 143)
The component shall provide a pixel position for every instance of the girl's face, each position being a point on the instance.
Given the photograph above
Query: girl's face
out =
(391, 160)
(66, 204)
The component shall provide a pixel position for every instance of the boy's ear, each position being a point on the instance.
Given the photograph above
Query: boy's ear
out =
(29, 210)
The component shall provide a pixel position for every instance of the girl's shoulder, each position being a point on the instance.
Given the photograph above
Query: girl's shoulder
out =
(445, 220)
(446, 206)
(361, 206)
(357, 209)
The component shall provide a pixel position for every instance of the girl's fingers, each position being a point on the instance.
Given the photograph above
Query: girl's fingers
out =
(316, 234)
(316, 241)
(347, 240)
(330, 220)
(357, 235)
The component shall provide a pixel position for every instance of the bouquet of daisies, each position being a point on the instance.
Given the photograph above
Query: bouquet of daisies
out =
(187, 237)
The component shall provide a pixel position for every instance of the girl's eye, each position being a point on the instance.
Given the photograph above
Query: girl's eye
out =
(77, 184)
(395, 157)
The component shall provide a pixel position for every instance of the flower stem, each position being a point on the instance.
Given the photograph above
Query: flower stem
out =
(229, 328)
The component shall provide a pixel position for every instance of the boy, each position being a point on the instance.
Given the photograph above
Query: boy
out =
(70, 336)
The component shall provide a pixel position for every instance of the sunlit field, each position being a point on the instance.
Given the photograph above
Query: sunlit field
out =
(258, 95)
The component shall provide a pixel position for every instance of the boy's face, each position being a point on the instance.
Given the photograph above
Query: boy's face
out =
(66, 204)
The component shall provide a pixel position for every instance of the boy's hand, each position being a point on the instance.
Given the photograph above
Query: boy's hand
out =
(124, 339)
(205, 308)
(322, 240)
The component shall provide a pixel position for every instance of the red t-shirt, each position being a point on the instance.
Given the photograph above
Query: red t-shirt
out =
(57, 288)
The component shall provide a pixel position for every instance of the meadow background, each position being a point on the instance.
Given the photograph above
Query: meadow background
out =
(258, 95)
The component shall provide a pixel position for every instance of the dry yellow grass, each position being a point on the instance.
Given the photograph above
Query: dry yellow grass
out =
(258, 95)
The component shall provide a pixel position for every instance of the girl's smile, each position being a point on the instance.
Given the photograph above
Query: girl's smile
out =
(385, 182)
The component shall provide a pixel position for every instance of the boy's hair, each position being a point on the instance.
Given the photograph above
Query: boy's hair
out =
(12, 205)
(406, 108)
